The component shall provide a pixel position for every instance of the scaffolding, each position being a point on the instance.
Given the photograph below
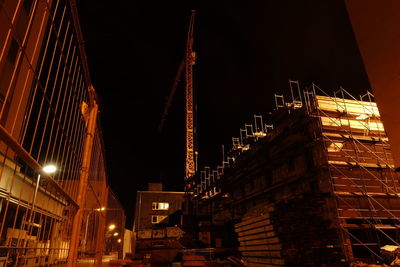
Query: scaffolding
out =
(353, 166)
(206, 183)
(360, 167)
(361, 171)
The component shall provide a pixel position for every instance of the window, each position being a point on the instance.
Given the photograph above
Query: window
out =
(160, 206)
(6, 85)
(157, 218)
(8, 69)
(23, 20)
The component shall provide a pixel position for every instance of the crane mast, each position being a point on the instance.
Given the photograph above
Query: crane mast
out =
(190, 61)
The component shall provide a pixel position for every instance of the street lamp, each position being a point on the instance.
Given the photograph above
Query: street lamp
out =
(48, 169)
(87, 224)
(109, 236)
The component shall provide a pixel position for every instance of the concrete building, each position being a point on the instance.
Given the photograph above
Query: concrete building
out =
(155, 205)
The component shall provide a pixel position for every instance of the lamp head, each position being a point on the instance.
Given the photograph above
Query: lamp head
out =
(49, 169)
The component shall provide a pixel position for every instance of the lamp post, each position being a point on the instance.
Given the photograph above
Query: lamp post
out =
(109, 237)
(87, 225)
(48, 169)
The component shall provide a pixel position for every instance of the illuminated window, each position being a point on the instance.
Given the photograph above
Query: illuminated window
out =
(157, 218)
(160, 206)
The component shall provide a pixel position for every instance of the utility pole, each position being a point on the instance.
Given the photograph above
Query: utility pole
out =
(84, 176)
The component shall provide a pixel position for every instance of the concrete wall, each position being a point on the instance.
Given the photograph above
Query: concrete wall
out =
(376, 28)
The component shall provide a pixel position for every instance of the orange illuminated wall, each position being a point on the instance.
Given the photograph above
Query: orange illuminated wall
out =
(376, 25)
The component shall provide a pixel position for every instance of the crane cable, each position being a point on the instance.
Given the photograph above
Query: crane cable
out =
(171, 95)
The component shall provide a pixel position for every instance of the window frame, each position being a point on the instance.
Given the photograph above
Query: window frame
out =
(160, 206)
(158, 218)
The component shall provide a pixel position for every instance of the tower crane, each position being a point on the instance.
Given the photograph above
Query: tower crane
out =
(187, 65)
(190, 61)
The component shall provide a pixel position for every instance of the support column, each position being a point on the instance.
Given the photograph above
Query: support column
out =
(83, 182)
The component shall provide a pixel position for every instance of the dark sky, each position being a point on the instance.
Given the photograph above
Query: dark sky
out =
(247, 51)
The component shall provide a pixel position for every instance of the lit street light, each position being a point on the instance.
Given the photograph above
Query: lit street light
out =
(87, 225)
(111, 237)
(48, 169)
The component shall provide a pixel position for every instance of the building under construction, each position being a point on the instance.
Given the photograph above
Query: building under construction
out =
(316, 189)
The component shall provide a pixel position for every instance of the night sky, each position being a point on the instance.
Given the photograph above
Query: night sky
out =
(247, 51)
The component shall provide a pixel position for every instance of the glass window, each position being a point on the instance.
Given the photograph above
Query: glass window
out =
(160, 206)
(157, 218)
(23, 20)
(8, 69)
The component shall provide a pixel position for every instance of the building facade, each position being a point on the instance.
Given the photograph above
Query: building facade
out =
(48, 115)
(155, 205)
